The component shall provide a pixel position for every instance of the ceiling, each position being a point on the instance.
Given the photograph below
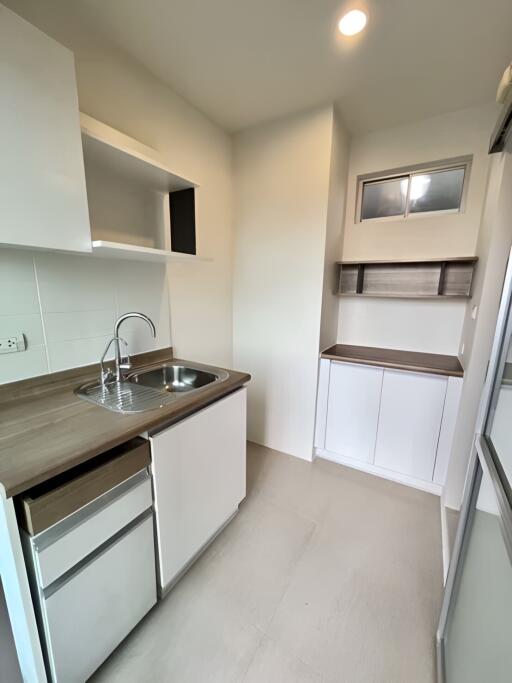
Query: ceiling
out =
(245, 61)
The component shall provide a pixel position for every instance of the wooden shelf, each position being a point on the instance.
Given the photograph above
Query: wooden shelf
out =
(449, 278)
(104, 249)
(413, 361)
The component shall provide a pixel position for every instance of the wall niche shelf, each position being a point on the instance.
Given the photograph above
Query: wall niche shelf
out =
(447, 278)
(128, 193)
(133, 252)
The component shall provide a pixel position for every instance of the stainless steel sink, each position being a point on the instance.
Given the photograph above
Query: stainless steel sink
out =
(176, 378)
(151, 388)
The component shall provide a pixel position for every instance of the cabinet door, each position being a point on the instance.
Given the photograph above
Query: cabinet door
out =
(199, 480)
(409, 423)
(43, 200)
(353, 410)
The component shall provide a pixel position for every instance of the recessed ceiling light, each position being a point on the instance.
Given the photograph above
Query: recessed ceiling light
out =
(352, 22)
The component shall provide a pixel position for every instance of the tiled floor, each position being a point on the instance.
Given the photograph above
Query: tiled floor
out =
(326, 575)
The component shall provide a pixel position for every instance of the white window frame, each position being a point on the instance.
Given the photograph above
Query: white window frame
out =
(409, 172)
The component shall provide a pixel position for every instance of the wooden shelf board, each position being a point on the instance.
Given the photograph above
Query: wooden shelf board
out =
(450, 259)
(428, 279)
(404, 296)
(413, 361)
(104, 249)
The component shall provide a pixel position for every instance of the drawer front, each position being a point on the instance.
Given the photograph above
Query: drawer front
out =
(41, 509)
(121, 505)
(102, 603)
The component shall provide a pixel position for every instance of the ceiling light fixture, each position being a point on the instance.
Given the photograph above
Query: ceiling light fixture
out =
(352, 22)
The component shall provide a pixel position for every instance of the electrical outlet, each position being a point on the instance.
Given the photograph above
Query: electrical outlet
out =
(13, 344)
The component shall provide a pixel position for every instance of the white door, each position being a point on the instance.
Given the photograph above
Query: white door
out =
(353, 410)
(43, 200)
(409, 423)
(199, 480)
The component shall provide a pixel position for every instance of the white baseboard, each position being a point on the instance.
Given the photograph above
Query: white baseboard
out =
(429, 487)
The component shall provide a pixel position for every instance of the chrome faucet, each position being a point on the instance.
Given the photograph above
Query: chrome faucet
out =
(122, 362)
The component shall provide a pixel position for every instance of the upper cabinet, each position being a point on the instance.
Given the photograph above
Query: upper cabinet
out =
(130, 192)
(42, 194)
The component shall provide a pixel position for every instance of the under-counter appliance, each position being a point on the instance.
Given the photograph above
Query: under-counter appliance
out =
(474, 628)
(89, 547)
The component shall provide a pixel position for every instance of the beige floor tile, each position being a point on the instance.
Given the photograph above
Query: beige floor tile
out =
(326, 575)
(291, 483)
(260, 552)
(365, 597)
(193, 636)
(272, 663)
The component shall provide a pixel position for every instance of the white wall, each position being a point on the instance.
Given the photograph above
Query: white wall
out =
(410, 324)
(115, 89)
(452, 135)
(334, 233)
(429, 326)
(282, 173)
(67, 305)
(493, 249)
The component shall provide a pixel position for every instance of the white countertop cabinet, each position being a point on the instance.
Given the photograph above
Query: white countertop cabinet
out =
(397, 424)
(199, 480)
(43, 195)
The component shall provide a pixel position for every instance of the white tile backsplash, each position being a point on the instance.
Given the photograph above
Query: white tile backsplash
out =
(76, 352)
(79, 324)
(29, 325)
(16, 266)
(18, 297)
(75, 283)
(66, 306)
(145, 290)
(29, 363)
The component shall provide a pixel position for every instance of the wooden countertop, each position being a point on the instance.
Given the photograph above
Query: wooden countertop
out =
(45, 429)
(414, 361)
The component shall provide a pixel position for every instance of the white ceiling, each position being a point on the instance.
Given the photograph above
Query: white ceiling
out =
(245, 61)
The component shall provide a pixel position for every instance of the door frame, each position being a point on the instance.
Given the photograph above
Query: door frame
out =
(483, 458)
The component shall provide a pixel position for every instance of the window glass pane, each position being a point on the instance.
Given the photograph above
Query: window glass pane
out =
(385, 198)
(439, 191)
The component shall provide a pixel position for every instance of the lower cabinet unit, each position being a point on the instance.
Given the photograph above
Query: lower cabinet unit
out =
(397, 424)
(411, 411)
(353, 410)
(96, 609)
(92, 572)
(199, 480)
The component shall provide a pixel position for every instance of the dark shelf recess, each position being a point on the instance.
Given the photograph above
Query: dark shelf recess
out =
(436, 278)
(183, 221)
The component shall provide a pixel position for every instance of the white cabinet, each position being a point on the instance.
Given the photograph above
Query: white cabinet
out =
(42, 194)
(409, 423)
(353, 410)
(96, 608)
(397, 424)
(199, 480)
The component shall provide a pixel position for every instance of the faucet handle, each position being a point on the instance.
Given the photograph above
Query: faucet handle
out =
(106, 374)
(125, 361)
